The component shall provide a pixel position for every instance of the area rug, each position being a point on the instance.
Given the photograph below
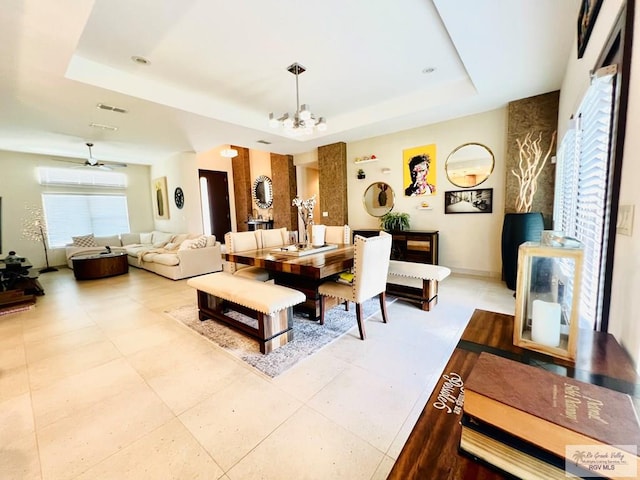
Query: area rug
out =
(308, 336)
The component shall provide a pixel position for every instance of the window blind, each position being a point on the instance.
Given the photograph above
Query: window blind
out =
(582, 188)
(69, 215)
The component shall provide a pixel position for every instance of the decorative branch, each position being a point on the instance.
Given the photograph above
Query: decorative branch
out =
(305, 210)
(530, 164)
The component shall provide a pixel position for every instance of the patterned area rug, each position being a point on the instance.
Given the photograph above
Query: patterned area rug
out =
(308, 336)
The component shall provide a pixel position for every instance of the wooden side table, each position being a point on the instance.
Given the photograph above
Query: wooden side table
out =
(431, 451)
(89, 267)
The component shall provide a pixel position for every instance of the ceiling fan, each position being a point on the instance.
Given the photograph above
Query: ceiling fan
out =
(92, 162)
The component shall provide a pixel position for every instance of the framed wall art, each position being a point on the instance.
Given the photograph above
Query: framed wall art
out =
(586, 20)
(419, 167)
(469, 201)
(160, 198)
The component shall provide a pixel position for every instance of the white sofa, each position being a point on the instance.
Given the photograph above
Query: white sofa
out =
(171, 255)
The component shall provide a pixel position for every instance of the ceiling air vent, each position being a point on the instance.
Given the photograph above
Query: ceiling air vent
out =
(102, 126)
(111, 108)
(264, 142)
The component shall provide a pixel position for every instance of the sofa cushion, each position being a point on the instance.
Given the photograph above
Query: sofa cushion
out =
(169, 259)
(146, 237)
(111, 241)
(172, 246)
(84, 241)
(129, 238)
(159, 237)
(179, 238)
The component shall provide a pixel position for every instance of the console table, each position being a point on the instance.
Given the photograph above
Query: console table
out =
(431, 451)
(419, 246)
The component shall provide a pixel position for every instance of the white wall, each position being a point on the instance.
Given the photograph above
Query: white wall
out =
(469, 243)
(19, 187)
(625, 302)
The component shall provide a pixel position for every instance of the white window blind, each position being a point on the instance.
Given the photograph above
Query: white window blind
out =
(69, 215)
(582, 194)
(81, 177)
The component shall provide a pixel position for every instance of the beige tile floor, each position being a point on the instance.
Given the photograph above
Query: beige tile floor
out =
(97, 382)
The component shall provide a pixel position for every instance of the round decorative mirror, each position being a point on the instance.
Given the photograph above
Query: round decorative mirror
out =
(262, 192)
(378, 199)
(469, 165)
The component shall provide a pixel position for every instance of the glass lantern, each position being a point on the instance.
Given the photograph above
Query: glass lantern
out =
(548, 296)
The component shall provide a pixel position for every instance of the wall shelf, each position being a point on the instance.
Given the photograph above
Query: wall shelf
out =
(368, 160)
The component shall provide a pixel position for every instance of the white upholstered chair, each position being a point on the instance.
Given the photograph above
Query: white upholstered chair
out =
(337, 234)
(239, 242)
(371, 265)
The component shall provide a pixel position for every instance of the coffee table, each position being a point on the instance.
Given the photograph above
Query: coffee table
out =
(89, 267)
(304, 273)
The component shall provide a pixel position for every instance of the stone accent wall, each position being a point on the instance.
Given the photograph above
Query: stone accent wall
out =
(534, 114)
(283, 174)
(242, 187)
(332, 166)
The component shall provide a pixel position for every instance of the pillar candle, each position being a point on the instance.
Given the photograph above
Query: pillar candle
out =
(317, 235)
(545, 323)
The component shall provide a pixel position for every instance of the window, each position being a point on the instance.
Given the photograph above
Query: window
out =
(81, 177)
(69, 215)
(582, 194)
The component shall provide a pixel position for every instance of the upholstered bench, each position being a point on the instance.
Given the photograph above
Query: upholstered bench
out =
(416, 282)
(271, 305)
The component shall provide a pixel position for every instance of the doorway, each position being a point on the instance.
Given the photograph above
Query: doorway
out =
(214, 198)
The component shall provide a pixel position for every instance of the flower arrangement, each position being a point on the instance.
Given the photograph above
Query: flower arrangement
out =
(530, 165)
(305, 210)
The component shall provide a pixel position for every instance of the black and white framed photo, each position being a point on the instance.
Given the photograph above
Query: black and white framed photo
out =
(479, 200)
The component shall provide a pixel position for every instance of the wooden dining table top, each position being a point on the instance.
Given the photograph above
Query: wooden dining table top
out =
(317, 265)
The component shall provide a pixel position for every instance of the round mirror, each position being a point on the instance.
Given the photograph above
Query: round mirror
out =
(469, 165)
(378, 199)
(262, 192)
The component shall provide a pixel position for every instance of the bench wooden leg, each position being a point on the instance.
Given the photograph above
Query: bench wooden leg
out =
(274, 330)
(429, 294)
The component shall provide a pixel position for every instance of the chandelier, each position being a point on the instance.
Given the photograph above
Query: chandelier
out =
(302, 122)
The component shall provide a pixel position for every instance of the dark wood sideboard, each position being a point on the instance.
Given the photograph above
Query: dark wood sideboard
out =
(419, 246)
(431, 451)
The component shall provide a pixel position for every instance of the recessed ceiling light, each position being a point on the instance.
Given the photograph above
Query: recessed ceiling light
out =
(140, 60)
(111, 108)
(103, 126)
(428, 70)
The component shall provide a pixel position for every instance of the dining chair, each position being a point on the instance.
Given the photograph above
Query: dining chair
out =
(337, 234)
(239, 242)
(370, 267)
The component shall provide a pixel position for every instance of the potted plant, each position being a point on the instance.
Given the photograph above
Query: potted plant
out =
(395, 221)
(361, 174)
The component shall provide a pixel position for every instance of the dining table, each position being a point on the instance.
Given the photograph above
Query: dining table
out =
(301, 271)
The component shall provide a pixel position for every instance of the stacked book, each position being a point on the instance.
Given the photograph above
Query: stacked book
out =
(534, 424)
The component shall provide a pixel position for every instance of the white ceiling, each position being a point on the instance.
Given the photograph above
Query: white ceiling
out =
(218, 67)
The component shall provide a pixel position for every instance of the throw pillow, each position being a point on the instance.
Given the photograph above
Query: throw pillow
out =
(84, 241)
(199, 242)
(159, 244)
(185, 245)
(145, 237)
(172, 246)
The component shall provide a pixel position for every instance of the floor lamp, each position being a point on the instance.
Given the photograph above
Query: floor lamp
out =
(35, 229)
